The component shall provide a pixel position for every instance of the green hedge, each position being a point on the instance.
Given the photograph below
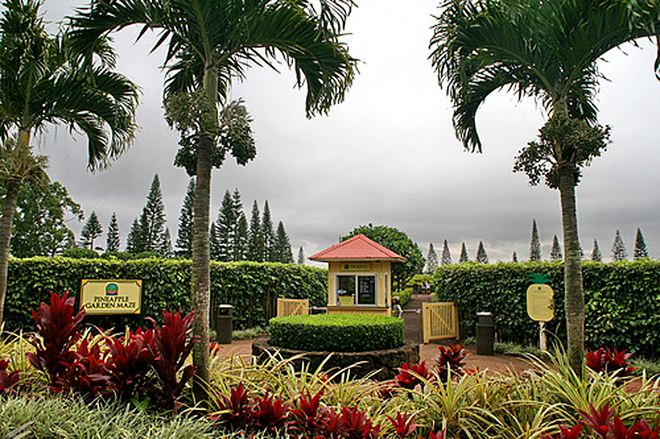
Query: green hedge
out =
(336, 332)
(623, 301)
(251, 288)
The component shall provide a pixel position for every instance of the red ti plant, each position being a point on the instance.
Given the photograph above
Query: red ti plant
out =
(130, 362)
(409, 380)
(59, 329)
(86, 373)
(172, 347)
(566, 433)
(602, 360)
(598, 420)
(311, 418)
(270, 414)
(403, 425)
(439, 435)
(356, 425)
(236, 409)
(450, 358)
(641, 430)
(7, 380)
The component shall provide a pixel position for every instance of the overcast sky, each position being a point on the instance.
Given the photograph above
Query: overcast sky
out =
(388, 154)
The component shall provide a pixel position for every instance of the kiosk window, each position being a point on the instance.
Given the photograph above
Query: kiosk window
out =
(365, 286)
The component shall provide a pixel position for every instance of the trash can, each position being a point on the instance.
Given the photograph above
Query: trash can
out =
(223, 326)
(485, 333)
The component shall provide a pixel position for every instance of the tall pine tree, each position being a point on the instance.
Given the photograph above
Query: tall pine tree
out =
(255, 250)
(268, 234)
(619, 252)
(301, 256)
(482, 256)
(185, 231)
(596, 254)
(91, 231)
(226, 228)
(282, 246)
(152, 220)
(641, 252)
(134, 241)
(431, 260)
(535, 244)
(242, 238)
(464, 254)
(446, 254)
(166, 248)
(214, 243)
(113, 239)
(555, 252)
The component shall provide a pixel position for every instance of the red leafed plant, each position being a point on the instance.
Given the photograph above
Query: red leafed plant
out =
(235, 409)
(172, 346)
(603, 360)
(7, 380)
(410, 376)
(641, 430)
(598, 420)
(59, 329)
(311, 418)
(356, 425)
(439, 435)
(130, 362)
(449, 358)
(403, 425)
(270, 414)
(566, 433)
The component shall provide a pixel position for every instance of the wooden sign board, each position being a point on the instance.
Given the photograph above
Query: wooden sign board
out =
(105, 297)
(540, 305)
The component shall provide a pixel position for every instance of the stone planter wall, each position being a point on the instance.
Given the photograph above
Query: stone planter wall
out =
(386, 362)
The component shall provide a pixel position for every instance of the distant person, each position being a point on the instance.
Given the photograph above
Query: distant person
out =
(396, 307)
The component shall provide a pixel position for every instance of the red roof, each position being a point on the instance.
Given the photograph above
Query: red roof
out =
(357, 248)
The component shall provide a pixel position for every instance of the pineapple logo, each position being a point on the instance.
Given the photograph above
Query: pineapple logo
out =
(540, 303)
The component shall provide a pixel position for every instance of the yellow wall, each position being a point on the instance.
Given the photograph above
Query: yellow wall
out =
(380, 269)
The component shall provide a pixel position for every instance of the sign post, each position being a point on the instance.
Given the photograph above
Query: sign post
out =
(540, 305)
(105, 297)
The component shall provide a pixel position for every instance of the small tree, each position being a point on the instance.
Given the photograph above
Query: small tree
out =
(184, 235)
(282, 246)
(113, 239)
(535, 244)
(431, 260)
(135, 240)
(596, 255)
(255, 250)
(166, 248)
(152, 220)
(446, 254)
(242, 238)
(268, 234)
(464, 254)
(301, 256)
(555, 252)
(91, 231)
(226, 229)
(482, 256)
(514, 257)
(641, 251)
(619, 252)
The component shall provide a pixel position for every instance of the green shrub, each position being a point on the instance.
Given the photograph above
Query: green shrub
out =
(251, 288)
(336, 332)
(622, 301)
(148, 255)
(80, 253)
(123, 256)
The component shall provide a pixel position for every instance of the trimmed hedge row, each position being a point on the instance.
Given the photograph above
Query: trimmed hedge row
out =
(622, 301)
(251, 288)
(336, 332)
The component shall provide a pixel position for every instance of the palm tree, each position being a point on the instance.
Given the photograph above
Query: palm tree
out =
(41, 84)
(547, 50)
(210, 43)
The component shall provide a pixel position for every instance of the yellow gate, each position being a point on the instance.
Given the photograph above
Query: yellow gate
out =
(292, 307)
(440, 320)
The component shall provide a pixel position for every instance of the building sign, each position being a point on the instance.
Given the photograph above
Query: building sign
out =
(356, 267)
(540, 303)
(104, 297)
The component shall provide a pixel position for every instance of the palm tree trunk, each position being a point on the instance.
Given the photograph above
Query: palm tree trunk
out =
(574, 292)
(201, 273)
(6, 223)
